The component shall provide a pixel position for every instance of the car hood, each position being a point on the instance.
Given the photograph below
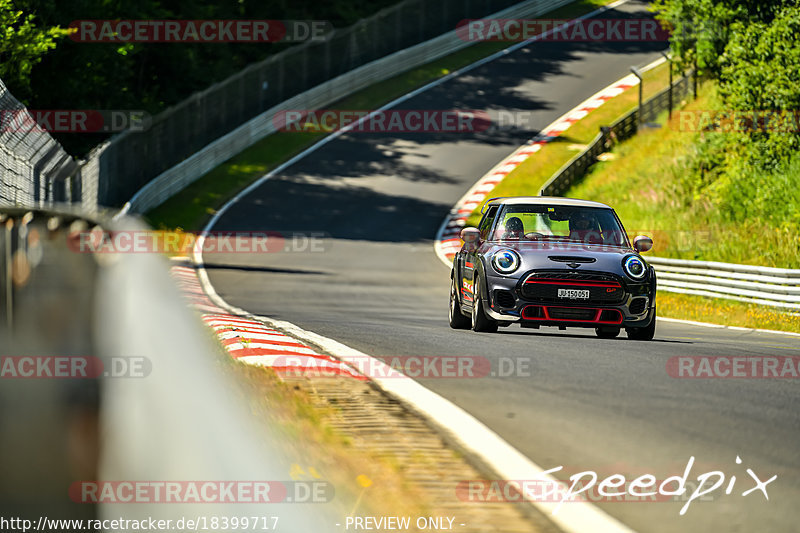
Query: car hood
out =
(559, 256)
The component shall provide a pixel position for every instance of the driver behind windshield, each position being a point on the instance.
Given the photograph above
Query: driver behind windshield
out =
(584, 227)
(514, 229)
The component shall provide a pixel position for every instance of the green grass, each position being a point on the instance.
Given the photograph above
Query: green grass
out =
(527, 179)
(191, 207)
(304, 430)
(642, 181)
(645, 183)
(725, 312)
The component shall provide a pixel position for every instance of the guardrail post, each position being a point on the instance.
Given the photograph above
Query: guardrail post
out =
(605, 132)
(638, 74)
(9, 287)
(669, 62)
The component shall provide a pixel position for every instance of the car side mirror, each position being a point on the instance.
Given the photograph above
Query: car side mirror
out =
(471, 238)
(642, 243)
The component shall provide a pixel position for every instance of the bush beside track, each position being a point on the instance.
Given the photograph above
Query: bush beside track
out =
(648, 180)
(651, 183)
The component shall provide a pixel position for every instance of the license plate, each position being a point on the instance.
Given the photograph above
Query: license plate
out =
(573, 293)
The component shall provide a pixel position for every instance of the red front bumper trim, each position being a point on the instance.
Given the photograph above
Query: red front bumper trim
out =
(602, 316)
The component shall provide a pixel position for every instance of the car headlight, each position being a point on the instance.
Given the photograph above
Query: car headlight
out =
(634, 267)
(505, 261)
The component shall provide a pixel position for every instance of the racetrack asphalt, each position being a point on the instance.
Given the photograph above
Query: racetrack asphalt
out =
(588, 404)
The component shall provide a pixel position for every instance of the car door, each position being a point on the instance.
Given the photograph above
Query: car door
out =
(469, 258)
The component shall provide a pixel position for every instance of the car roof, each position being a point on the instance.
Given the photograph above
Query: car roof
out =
(545, 200)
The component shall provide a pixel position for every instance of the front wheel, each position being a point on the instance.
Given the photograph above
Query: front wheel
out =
(457, 318)
(480, 322)
(643, 334)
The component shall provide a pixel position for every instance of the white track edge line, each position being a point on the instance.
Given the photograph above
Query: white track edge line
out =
(504, 459)
(460, 426)
(721, 326)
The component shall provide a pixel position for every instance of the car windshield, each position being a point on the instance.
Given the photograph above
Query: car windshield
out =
(532, 222)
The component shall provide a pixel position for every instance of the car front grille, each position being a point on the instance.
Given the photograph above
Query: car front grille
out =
(572, 313)
(543, 287)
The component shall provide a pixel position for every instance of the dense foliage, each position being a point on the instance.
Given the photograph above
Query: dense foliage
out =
(749, 49)
(149, 76)
(22, 44)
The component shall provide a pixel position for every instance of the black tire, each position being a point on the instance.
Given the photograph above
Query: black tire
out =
(607, 332)
(643, 334)
(457, 319)
(481, 322)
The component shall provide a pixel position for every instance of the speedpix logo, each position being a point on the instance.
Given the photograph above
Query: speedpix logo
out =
(588, 486)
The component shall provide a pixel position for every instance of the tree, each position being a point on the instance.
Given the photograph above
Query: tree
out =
(22, 45)
(749, 48)
(761, 73)
(701, 29)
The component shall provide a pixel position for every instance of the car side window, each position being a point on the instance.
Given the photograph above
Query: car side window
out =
(486, 223)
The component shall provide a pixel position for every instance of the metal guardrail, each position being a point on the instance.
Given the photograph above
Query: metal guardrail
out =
(184, 141)
(132, 159)
(778, 287)
(108, 307)
(623, 128)
(172, 180)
